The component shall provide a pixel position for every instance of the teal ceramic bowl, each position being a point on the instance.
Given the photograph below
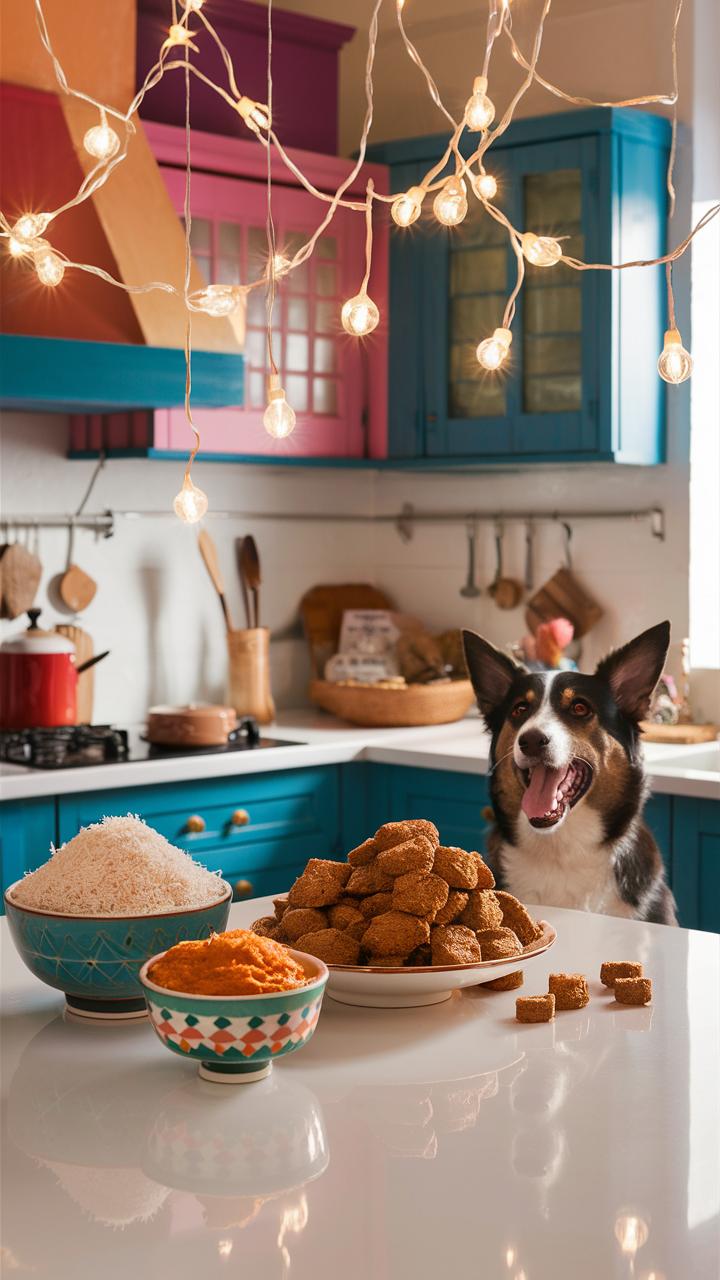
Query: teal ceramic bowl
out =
(236, 1039)
(96, 960)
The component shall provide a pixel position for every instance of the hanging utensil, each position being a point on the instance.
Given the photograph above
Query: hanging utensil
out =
(562, 596)
(250, 562)
(506, 592)
(73, 590)
(470, 590)
(243, 584)
(21, 574)
(529, 555)
(208, 551)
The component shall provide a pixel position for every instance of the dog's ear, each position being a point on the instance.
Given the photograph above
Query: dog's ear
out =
(491, 672)
(633, 671)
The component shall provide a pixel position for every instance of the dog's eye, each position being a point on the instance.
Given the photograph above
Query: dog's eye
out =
(580, 708)
(519, 709)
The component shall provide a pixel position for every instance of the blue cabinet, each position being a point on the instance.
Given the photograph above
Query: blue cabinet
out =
(27, 830)
(696, 862)
(582, 382)
(455, 802)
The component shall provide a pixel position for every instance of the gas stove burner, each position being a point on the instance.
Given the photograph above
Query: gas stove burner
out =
(64, 746)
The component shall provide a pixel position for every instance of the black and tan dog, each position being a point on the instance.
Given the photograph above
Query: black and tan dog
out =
(567, 783)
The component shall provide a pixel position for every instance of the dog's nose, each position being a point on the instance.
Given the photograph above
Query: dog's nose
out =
(532, 742)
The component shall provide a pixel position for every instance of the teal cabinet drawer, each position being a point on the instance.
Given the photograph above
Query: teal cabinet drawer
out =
(27, 829)
(696, 862)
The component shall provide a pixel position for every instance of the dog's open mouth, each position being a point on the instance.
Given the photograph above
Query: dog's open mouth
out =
(549, 793)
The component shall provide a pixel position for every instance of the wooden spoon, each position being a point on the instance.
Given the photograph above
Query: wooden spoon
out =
(243, 584)
(208, 551)
(250, 568)
(73, 590)
(506, 592)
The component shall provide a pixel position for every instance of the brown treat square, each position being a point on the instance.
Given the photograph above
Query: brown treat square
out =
(300, 920)
(455, 905)
(611, 970)
(483, 911)
(633, 990)
(376, 905)
(510, 982)
(485, 879)
(454, 944)
(496, 944)
(364, 854)
(267, 927)
(343, 915)
(456, 866)
(420, 894)
(357, 929)
(420, 956)
(392, 833)
(370, 879)
(411, 855)
(535, 1008)
(517, 918)
(281, 906)
(422, 827)
(330, 945)
(395, 933)
(569, 989)
(320, 884)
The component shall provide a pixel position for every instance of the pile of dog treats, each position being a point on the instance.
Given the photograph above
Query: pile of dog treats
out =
(403, 899)
(570, 991)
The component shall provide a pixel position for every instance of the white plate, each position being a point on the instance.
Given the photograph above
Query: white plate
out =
(375, 987)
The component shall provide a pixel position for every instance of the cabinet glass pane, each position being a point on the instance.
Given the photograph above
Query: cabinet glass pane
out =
(297, 314)
(257, 252)
(200, 235)
(326, 247)
(478, 282)
(229, 239)
(324, 396)
(552, 297)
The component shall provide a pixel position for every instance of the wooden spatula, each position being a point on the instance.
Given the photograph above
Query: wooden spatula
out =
(250, 569)
(208, 551)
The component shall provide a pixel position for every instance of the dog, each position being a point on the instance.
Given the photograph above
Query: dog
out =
(567, 779)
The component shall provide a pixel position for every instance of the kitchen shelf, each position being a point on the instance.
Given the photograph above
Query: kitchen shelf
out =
(66, 376)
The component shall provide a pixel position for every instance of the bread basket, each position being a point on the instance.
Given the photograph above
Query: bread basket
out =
(408, 706)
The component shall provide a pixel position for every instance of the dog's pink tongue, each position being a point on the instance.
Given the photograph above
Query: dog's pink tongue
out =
(540, 793)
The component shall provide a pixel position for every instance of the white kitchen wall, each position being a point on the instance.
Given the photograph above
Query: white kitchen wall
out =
(156, 612)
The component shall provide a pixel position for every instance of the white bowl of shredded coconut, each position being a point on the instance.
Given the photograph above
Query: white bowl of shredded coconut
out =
(117, 893)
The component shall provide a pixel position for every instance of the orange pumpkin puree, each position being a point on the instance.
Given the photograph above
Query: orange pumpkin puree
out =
(237, 963)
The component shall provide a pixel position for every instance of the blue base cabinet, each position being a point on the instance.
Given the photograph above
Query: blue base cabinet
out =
(581, 383)
(696, 861)
(27, 830)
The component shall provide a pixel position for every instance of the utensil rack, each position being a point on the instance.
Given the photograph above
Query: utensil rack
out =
(104, 523)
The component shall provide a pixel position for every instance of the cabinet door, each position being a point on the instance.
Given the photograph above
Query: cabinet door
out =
(696, 862)
(324, 373)
(27, 830)
(453, 801)
(545, 403)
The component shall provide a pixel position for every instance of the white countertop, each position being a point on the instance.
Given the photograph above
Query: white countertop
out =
(462, 747)
(441, 1142)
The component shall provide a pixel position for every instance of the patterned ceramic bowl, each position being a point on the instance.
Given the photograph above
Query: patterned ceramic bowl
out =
(235, 1039)
(96, 960)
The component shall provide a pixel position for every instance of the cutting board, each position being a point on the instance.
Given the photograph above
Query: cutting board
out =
(678, 733)
(84, 649)
(562, 596)
(321, 610)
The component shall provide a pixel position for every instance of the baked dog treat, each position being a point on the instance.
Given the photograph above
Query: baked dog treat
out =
(633, 990)
(516, 917)
(569, 989)
(420, 956)
(535, 1008)
(485, 877)
(420, 894)
(392, 833)
(456, 903)
(357, 929)
(367, 880)
(483, 911)
(267, 927)
(510, 982)
(460, 869)
(321, 883)
(395, 933)
(454, 944)
(330, 945)
(611, 970)
(498, 944)
(299, 920)
(376, 905)
(412, 855)
(388, 962)
(344, 914)
(281, 906)
(364, 854)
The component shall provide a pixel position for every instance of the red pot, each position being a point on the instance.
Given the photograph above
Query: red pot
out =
(38, 679)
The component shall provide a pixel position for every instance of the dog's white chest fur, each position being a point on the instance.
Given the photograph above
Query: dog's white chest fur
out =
(569, 867)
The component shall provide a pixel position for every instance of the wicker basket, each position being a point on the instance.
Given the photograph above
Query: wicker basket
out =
(416, 704)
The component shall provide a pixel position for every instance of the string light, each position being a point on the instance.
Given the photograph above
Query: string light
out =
(541, 251)
(492, 352)
(28, 228)
(675, 364)
(179, 35)
(359, 316)
(190, 504)
(479, 110)
(195, 5)
(279, 417)
(50, 268)
(631, 1233)
(255, 114)
(281, 265)
(16, 248)
(485, 186)
(218, 300)
(101, 141)
(406, 208)
(450, 204)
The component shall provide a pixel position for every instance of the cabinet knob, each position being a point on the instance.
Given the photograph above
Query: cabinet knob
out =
(487, 813)
(242, 889)
(239, 818)
(195, 823)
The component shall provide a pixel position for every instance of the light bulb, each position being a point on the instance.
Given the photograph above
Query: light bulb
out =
(631, 1233)
(541, 251)
(675, 363)
(190, 504)
(485, 186)
(450, 203)
(359, 316)
(16, 248)
(406, 209)
(479, 110)
(50, 268)
(178, 34)
(29, 227)
(253, 113)
(218, 300)
(195, 5)
(101, 141)
(492, 352)
(279, 418)
(281, 265)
